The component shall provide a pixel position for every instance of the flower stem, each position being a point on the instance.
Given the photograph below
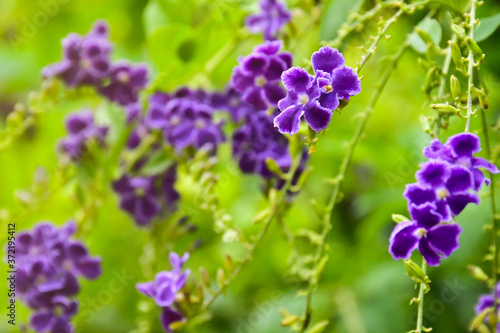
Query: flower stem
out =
(365, 115)
(496, 220)
(470, 60)
(276, 212)
(421, 293)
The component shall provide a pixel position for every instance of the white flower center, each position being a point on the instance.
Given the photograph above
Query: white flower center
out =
(123, 77)
(85, 63)
(200, 123)
(139, 192)
(260, 81)
(420, 232)
(175, 120)
(303, 99)
(442, 193)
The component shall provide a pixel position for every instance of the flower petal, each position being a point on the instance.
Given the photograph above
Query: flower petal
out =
(402, 241)
(297, 79)
(345, 82)
(433, 173)
(425, 215)
(316, 116)
(444, 238)
(429, 254)
(288, 121)
(327, 59)
(458, 202)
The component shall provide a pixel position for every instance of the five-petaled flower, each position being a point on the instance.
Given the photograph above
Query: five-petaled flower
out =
(315, 97)
(426, 231)
(258, 75)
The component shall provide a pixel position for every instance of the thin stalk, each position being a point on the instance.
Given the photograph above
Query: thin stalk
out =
(496, 220)
(275, 213)
(470, 71)
(365, 115)
(421, 293)
(442, 85)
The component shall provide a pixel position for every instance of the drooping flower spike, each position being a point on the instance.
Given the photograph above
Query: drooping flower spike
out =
(258, 75)
(315, 97)
(164, 288)
(426, 231)
(48, 264)
(273, 16)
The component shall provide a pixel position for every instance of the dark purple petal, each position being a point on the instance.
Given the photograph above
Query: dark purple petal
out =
(329, 101)
(403, 242)
(345, 82)
(458, 202)
(90, 268)
(425, 215)
(434, 173)
(254, 64)
(478, 162)
(288, 121)
(327, 59)
(464, 144)
(460, 180)
(444, 238)
(42, 321)
(274, 94)
(429, 254)
(289, 100)
(316, 116)
(418, 195)
(297, 79)
(168, 317)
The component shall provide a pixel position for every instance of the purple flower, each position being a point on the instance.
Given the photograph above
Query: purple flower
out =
(185, 123)
(315, 97)
(486, 301)
(81, 128)
(164, 288)
(434, 239)
(257, 76)
(55, 318)
(138, 197)
(125, 82)
(255, 141)
(273, 16)
(48, 264)
(85, 58)
(231, 101)
(169, 192)
(460, 149)
(447, 186)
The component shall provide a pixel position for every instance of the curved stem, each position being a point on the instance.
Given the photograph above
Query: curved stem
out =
(496, 220)
(276, 212)
(365, 115)
(421, 293)
(470, 70)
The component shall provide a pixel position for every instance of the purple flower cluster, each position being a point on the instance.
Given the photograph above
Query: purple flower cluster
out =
(315, 97)
(447, 183)
(164, 288)
(81, 128)
(273, 16)
(48, 264)
(258, 75)
(185, 122)
(487, 301)
(86, 61)
(144, 197)
(255, 141)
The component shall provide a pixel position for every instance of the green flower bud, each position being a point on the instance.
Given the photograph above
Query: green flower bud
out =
(456, 54)
(458, 30)
(424, 35)
(456, 90)
(472, 45)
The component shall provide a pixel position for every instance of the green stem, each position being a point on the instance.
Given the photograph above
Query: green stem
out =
(421, 293)
(496, 220)
(276, 212)
(470, 70)
(365, 115)
(442, 85)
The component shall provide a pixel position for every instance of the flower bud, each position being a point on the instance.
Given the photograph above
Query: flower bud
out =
(458, 30)
(478, 273)
(416, 273)
(472, 45)
(456, 91)
(456, 54)
(399, 218)
(424, 35)
(445, 108)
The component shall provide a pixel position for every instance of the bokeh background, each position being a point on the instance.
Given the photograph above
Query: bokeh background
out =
(363, 289)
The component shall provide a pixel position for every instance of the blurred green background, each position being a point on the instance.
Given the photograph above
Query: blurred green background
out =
(363, 288)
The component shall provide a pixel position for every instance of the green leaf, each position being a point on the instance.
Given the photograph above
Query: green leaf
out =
(432, 28)
(158, 163)
(487, 27)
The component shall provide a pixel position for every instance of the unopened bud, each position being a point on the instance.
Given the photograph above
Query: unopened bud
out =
(478, 273)
(472, 45)
(458, 30)
(456, 90)
(424, 35)
(456, 54)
